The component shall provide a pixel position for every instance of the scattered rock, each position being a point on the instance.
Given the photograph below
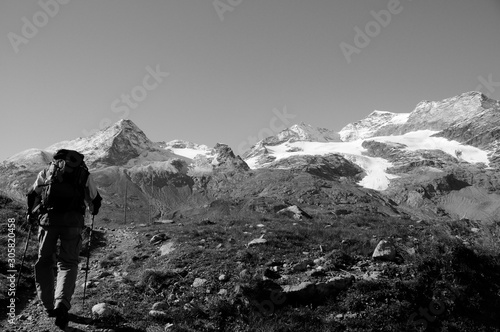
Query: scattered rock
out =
(308, 292)
(411, 251)
(384, 251)
(157, 314)
(198, 282)
(160, 306)
(223, 277)
(167, 248)
(102, 310)
(90, 284)
(119, 276)
(295, 212)
(164, 221)
(257, 242)
(158, 238)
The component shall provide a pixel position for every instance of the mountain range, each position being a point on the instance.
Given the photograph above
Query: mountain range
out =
(439, 161)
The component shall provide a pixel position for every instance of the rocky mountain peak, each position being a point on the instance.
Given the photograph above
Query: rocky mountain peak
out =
(34, 159)
(306, 132)
(464, 109)
(115, 145)
(439, 115)
(298, 132)
(225, 159)
(375, 122)
(182, 144)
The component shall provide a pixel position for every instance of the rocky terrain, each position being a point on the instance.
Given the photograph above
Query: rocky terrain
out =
(310, 230)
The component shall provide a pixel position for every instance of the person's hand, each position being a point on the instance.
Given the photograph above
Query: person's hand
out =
(31, 219)
(96, 204)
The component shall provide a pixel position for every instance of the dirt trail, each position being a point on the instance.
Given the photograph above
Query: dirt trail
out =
(32, 317)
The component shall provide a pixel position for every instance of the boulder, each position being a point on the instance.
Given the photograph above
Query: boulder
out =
(311, 293)
(103, 310)
(294, 212)
(158, 238)
(257, 242)
(384, 251)
(167, 248)
(160, 306)
(198, 282)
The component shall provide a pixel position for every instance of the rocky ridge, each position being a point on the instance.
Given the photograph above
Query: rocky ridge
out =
(203, 241)
(164, 179)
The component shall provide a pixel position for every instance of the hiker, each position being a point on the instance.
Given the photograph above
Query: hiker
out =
(57, 201)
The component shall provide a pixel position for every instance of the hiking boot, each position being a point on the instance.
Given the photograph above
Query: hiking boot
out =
(51, 312)
(62, 317)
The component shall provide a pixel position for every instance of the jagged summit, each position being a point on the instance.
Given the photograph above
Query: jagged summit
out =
(390, 152)
(461, 110)
(461, 128)
(306, 132)
(182, 144)
(471, 98)
(115, 144)
(373, 123)
(298, 132)
(439, 115)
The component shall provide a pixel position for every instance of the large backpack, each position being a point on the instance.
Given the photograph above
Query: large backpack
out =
(64, 187)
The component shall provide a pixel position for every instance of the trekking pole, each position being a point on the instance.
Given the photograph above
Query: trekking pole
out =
(24, 255)
(88, 258)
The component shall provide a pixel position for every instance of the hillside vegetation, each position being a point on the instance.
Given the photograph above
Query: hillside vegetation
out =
(206, 274)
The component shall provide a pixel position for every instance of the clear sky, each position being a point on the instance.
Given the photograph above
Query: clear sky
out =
(232, 71)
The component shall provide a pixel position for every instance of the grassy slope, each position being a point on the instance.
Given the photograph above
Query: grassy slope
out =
(454, 275)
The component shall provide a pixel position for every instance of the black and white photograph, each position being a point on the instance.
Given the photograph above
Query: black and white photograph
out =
(250, 166)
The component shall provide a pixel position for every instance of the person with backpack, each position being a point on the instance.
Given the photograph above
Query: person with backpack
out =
(58, 200)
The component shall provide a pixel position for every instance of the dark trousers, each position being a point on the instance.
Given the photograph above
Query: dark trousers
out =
(67, 264)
